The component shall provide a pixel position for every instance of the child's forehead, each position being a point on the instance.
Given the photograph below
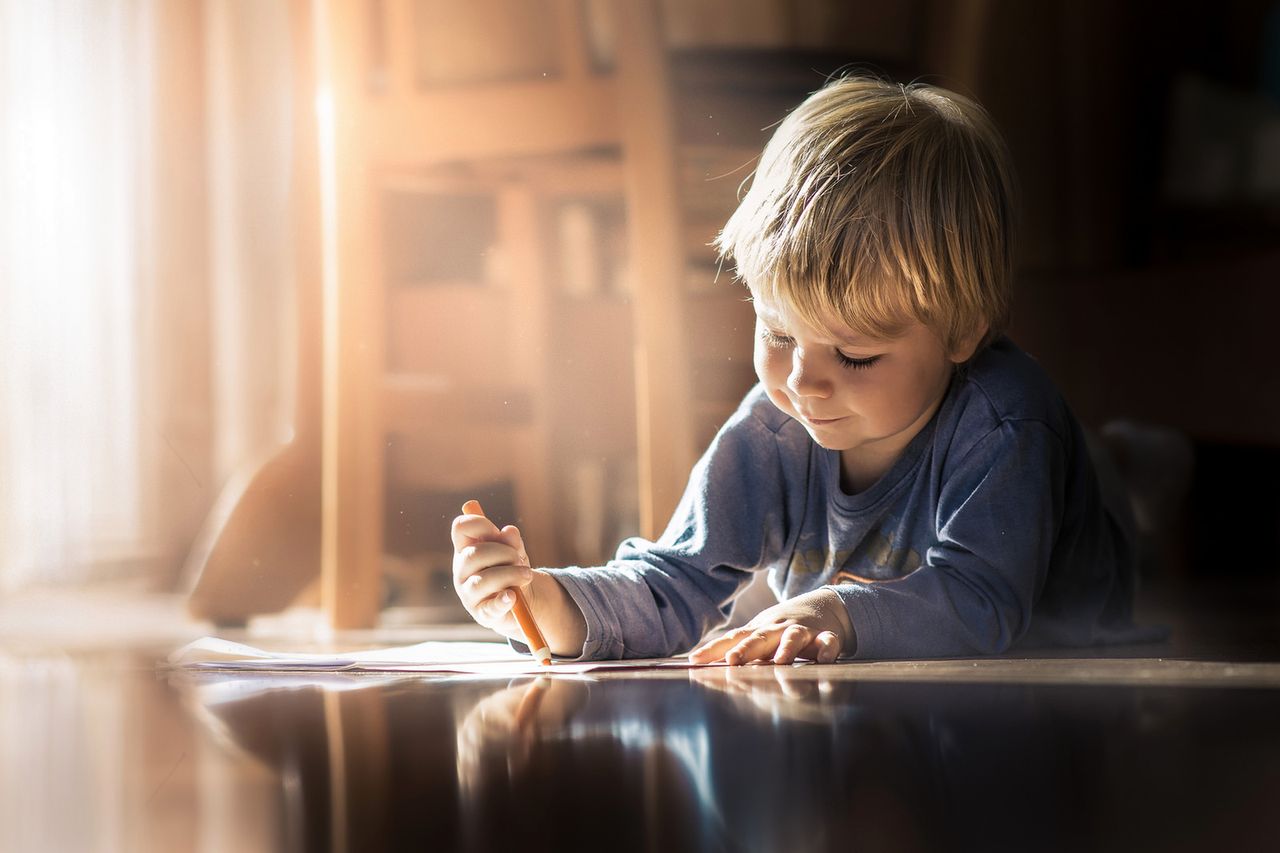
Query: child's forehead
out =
(781, 317)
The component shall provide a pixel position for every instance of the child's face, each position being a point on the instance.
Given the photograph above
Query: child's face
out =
(865, 396)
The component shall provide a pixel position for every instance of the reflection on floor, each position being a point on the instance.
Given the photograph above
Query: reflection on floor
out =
(103, 751)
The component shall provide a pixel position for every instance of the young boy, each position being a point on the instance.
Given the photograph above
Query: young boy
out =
(912, 481)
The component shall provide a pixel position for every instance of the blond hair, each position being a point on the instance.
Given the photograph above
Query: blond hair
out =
(878, 204)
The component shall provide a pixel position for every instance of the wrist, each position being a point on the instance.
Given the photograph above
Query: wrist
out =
(840, 613)
(558, 616)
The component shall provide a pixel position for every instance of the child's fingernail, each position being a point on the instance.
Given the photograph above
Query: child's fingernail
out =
(506, 598)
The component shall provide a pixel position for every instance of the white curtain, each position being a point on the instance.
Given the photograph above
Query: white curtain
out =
(146, 339)
(73, 116)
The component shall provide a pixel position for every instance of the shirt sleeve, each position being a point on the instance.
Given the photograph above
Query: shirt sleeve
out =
(657, 599)
(998, 514)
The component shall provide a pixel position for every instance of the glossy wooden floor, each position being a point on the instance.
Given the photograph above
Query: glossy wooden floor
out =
(1164, 748)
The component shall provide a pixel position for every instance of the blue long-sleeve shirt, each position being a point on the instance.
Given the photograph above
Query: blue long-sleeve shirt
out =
(989, 530)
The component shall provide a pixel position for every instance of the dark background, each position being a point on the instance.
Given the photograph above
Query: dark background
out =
(1147, 138)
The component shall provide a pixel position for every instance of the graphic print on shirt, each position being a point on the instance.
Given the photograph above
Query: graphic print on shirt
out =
(874, 558)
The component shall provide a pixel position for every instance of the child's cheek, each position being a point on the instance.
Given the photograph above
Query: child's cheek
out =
(772, 370)
(772, 365)
(760, 360)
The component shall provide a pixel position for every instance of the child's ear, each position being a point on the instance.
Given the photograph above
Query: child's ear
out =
(968, 345)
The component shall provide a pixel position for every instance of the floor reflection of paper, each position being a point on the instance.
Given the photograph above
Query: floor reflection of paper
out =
(497, 659)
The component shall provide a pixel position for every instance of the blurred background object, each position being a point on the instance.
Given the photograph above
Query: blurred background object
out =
(282, 283)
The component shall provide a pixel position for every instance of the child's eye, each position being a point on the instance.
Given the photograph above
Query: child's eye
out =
(775, 340)
(857, 363)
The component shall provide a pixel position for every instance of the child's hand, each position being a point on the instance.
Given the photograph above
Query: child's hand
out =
(814, 625)
(489, 564)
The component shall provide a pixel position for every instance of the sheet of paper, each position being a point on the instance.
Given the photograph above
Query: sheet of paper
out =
(527, 666)
(496, 659)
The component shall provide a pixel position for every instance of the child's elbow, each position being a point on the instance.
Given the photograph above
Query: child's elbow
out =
(997, 630)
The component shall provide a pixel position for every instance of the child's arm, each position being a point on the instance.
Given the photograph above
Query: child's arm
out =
(737, 516)
(488, 563)
(654, 599)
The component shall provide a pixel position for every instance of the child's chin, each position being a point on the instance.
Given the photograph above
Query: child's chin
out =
(827, 440)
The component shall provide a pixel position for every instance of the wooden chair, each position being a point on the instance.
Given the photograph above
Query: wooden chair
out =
(390, 130)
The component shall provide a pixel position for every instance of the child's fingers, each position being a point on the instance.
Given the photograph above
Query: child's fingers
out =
(758, 645)
(714, 649)
(824, 647)
(828, 647)
(492, 611)
(783, 643)
(467, 529)
(511, 536)
(480, 556)
(480, 585)
(793, 642)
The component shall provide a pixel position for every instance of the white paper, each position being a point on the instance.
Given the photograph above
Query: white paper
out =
(498, 659)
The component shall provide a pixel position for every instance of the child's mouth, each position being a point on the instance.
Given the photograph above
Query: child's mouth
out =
(820, 421)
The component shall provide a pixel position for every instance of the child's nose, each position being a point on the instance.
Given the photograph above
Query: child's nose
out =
(807, 379)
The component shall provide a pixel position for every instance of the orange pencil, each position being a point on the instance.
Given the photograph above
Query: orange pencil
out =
(537, 643)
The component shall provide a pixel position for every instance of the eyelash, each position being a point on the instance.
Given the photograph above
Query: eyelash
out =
(774, 340)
